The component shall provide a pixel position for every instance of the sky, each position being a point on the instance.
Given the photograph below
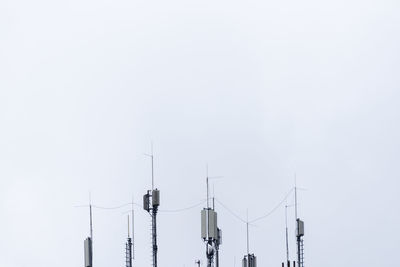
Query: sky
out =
(260, 91)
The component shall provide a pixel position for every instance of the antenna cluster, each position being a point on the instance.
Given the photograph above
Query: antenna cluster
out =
(151, 202)
(299, 234)
(249, 260)
(211, 234)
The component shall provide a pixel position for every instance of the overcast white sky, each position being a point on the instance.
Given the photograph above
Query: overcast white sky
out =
(258, 89)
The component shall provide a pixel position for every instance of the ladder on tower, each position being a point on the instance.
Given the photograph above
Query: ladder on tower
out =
(128, 253)
(301, 263)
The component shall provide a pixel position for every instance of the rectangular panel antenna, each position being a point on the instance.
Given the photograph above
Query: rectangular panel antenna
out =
(88, 252)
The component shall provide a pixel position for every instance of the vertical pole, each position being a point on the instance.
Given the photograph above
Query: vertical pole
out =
(208, 205)
(287, 237)
(133, 231)
(247, 230)
(209, 256)
(217, 257)
(153, 212)
(91, 231)
(213, 202)
(297, 224)
(154, 223)
(152, 167)
(295, 196)
(129, 227)
(91, 224)
(298, 252)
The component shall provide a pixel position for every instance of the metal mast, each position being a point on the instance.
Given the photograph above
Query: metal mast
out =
(299, 231)
(154, 194)
(91, 222)
(128, 249)
(133, 231)
(247, 231)
(88, 243)
(296, 218)
(287, 235)
(210, 233)
(218, 240)
(249, 260)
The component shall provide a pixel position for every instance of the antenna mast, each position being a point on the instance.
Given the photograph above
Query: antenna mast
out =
(152, 167)
(128, 249)
(133, 230)
(129, 228)
(247, 230)
(208, 205)
(287, 235)
(210, 233)
(154, 195)
(295, 196)
(299, 230)
(249, 260)
(88, 243)
(90, 211)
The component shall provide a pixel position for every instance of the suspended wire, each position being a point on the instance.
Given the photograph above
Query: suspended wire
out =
(185, 209)
(231, 212)
(116, 207)
(198, 204)
(258, 218)
(127, 204)
(275, 208)
(106, 208)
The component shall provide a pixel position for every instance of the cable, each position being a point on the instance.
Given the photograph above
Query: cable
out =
(116, 207)
(258, 218)
(184, 209)
(107, 208)
(126, 204)
(198, 204)
(274, 209)
(231, 212)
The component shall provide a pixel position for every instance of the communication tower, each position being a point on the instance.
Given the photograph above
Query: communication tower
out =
(299, 234)
(210, 233)
(151, 202)
(249, 260)
(287, 241)
(300, 242)
(128, 248)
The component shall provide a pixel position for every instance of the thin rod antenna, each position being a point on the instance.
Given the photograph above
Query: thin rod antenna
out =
(91, 226)
(152, 167)
(295, 195)
(213, 197)
(208, 187)
(208, 204)
(91, 218)
(128, 227)
(287, 237)
(247, 230)
(133, 230)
